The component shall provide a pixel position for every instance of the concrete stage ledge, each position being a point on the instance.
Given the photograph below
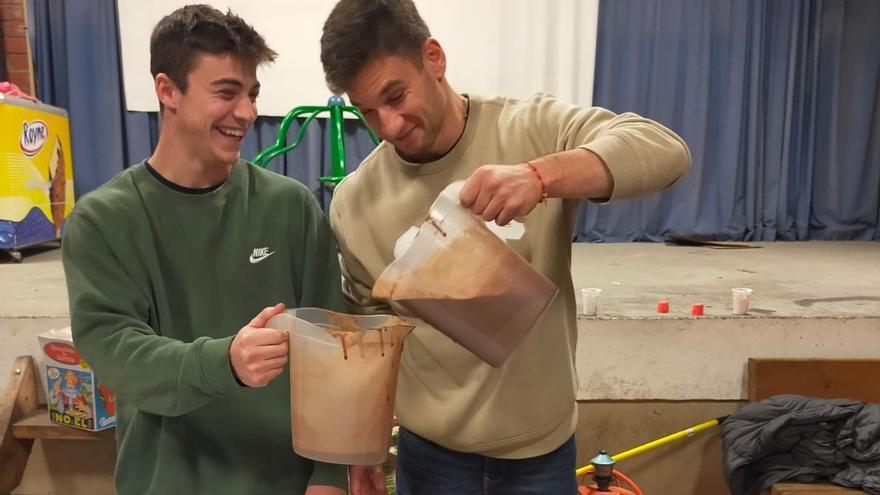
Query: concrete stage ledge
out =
(811, 299)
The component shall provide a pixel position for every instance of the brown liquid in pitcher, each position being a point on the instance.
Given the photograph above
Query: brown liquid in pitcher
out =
(475, 289)
(490, 327)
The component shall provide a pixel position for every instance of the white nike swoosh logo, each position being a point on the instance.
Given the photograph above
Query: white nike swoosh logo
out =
(256, 259)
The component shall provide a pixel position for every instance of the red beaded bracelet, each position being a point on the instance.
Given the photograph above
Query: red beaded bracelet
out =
(540, 181)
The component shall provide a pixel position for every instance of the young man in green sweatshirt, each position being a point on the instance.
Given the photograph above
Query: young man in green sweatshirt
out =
(468, 428)
(169, 266)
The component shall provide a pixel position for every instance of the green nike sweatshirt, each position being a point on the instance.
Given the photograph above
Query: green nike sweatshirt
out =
(160, 280)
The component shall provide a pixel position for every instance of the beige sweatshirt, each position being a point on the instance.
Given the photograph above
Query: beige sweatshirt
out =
(446, 394)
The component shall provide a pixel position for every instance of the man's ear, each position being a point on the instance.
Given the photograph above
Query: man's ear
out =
(166, 91)
(434, 58)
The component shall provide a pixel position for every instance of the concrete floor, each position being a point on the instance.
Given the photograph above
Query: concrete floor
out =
(35, 287)
(790, 279)
(816, 278)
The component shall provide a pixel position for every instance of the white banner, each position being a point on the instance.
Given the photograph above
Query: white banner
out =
(493, 47)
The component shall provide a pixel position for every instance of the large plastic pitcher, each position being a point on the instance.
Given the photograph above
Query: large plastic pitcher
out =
(465, 281)
(343, 377)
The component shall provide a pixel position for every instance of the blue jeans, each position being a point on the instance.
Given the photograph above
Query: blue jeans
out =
(425, 468)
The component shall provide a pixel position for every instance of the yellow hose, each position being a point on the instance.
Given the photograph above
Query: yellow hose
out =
(687, 432)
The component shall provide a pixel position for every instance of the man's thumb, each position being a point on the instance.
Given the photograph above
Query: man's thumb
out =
(266, 314)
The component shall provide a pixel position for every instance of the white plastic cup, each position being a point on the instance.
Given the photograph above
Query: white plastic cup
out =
(741, 299)
(590, 300)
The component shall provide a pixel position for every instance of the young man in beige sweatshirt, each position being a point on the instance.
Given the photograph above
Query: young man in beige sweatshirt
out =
(469, 428)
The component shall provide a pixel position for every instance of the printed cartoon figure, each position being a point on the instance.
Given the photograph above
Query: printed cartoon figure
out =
(70, 391)
(56, 397)
(82, 407)
(58, 186)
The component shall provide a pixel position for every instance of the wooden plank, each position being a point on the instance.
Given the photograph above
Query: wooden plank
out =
(823, 378)
(37, 425)
(812, 489)
(18, 399)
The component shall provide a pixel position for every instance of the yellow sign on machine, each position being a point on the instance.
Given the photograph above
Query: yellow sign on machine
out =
(36, 172)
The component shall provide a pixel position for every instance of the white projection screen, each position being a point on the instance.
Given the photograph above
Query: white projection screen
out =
(493, 47)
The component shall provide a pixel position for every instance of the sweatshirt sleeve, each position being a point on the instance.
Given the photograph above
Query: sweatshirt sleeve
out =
(318, 281)
(642, 155)
(109, 320)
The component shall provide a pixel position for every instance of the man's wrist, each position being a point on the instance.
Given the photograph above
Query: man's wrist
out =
(540, 180)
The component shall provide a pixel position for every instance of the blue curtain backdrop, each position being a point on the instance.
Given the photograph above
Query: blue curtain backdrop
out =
(779, 102)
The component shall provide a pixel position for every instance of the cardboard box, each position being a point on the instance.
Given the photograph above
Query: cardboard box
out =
(36, 172)
(75, 396)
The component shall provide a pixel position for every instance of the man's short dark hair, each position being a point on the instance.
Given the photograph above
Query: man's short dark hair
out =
(181, 36)
(359, 31)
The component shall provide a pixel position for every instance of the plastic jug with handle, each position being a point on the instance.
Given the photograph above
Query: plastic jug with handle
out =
(343, 377)
(464, 280)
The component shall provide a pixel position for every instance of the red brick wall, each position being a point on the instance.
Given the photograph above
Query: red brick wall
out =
(15, 45)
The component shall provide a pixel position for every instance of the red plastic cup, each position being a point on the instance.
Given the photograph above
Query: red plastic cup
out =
(663, 306)
(697, 309)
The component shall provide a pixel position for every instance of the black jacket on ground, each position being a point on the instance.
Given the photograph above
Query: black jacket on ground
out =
(797, 438)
